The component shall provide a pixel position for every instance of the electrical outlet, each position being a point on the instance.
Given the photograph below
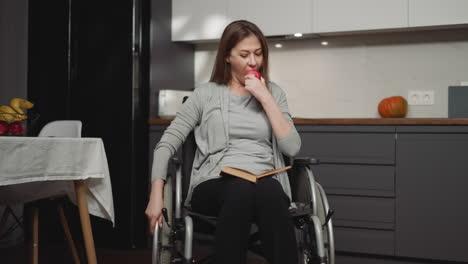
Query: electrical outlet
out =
(421, 97)
(427, 97)
(414, 97)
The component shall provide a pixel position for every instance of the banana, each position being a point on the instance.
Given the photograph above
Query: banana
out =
(10, 115)
(6, 114)
(4, 117)
(18, 104)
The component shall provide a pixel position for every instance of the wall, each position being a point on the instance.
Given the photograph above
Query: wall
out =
(349, 77)
(13, 49)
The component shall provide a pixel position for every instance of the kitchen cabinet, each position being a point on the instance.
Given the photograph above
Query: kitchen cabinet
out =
(198, 20)
(431, 192)
(357, 172)
(274, 17)
(356, 15)
(398, 191)
(206, 19)
(437, 12)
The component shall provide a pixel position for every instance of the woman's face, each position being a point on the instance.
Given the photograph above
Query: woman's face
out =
(246, 55)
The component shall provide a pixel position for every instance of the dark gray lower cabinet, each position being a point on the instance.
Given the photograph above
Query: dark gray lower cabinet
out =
(400, 193)
(363, 212)
(357, 171)
(432, 193)
(370, 241)
(349, 144)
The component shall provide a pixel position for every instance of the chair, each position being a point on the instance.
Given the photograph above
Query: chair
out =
(311, 215)
(60, 128)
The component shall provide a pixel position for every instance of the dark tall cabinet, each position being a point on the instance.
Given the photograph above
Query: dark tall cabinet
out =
(103, 62)
(89, 60)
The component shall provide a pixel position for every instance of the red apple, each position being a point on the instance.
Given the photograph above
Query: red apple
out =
(3, 127)
(16, 128)
(254, 73)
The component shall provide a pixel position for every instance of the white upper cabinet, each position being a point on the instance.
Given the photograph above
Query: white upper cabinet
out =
(437, 12)
(194, 20)
(355, 15)
(198, 20)
(278, 17)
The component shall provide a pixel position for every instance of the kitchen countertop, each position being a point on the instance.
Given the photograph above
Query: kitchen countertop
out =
(357, 121)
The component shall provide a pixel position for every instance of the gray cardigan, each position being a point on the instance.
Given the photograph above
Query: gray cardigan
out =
(206, 112)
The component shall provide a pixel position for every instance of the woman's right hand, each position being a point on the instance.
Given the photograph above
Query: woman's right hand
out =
(154, 211)
(155, 205)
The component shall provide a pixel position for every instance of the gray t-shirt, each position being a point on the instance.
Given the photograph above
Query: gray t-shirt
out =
(249, 146)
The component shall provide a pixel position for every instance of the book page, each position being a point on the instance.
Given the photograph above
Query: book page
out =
(240, 173)
(273, 171)
(250, 176)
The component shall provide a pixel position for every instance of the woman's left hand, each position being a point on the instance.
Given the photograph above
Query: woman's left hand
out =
(257, 88)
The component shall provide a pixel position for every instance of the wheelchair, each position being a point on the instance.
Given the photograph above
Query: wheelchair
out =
(312, 216)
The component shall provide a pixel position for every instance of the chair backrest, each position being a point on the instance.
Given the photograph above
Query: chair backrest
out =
(62, 128)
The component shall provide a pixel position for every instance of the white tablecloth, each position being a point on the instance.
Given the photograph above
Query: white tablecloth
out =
(33, 168)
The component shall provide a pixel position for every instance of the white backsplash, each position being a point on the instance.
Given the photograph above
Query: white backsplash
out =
(349, 77)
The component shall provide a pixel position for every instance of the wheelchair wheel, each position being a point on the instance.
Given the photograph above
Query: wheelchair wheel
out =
(165, 256)
(163, 252)
(161, 249)
(306, 245)
(308, 249)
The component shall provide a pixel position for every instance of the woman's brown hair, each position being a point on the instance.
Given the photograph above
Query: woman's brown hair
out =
(233, 34)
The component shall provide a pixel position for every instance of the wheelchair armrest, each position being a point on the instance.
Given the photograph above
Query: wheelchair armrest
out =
(305, 161)
(175, 160)
(176, 164)
(302, 182)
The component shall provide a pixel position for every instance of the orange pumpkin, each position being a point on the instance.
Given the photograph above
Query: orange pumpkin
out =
(395, 106)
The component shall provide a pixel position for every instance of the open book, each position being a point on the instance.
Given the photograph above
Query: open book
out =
(250, 176)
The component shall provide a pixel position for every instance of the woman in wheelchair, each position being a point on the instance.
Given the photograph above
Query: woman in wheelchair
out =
(239, 121)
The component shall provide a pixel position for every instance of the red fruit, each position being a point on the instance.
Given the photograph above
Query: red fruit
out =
(255, 73)
(3, 127)
(16, 128)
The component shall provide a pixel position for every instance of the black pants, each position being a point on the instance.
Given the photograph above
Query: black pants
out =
(238, 203)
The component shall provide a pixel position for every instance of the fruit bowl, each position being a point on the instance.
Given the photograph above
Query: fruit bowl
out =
(15, 128)
(12, 117)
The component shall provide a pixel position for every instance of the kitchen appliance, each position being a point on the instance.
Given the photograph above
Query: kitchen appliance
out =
(170, 101)
(458, 101)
